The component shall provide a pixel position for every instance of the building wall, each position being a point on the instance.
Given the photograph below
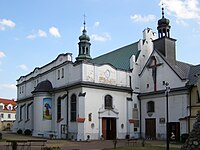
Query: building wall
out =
(195, 106)
(94, 103)
(177, 108)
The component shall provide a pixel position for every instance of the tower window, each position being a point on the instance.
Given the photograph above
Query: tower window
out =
(83, 48)
(87, 50)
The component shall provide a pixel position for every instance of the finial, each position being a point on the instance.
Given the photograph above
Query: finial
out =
(163, 13)
(84, 21)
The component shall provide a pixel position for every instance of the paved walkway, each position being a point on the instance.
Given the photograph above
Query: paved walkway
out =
(69, 145)
(63, 144)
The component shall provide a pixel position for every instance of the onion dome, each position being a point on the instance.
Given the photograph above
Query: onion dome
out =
(84, 36)
(163, 21)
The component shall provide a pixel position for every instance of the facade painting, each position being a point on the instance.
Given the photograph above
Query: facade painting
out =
(47, 105)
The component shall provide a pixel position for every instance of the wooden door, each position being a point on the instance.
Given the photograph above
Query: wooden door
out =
(104, 128)
(109, 128)
(150, 125)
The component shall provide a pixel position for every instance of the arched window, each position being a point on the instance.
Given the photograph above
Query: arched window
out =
(150, 106)
(108, 102)
(59, 108)
(73, 108)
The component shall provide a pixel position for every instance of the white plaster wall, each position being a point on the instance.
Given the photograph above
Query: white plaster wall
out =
(177, 109)
(94, 102)
(72, 74)
(41, 125)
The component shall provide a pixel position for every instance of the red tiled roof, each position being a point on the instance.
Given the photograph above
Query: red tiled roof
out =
(7, 102)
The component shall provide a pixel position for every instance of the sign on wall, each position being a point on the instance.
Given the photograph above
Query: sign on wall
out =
(47, 111)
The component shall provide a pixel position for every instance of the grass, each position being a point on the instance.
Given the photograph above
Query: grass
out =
(142, 148)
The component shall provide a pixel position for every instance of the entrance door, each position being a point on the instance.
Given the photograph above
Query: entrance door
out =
(150, 125)
(109, 128)
(174, 128)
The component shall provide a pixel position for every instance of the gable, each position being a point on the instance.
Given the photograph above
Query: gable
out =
(164, 73)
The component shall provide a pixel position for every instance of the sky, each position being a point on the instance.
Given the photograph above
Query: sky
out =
(33, 33)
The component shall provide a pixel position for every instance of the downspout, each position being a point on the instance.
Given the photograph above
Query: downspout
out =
(140, 116)
(190, 108)
(67, 114)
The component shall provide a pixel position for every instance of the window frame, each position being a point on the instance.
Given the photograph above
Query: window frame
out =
(150, 106)
(59, 108)
(108, 102)
(73, 108)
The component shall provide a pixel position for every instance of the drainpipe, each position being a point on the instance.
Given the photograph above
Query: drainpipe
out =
(67, 113)
(190, 107)
(140, 117)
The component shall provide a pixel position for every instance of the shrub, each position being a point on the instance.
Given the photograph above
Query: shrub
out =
(27, 132)
(19, 131)
(184, 137)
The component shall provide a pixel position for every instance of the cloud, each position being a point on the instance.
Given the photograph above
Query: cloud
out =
(23, 67)
(54, 32)
(181, 22)
(42, 33)
(183, 9)
(31, 36)
(96, 24)
(39, 33)
(6, 23)
(101, 38)
(2, 54)
(8, 86)
(140, 18)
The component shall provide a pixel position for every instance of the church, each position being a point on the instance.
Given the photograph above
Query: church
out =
(119, 94)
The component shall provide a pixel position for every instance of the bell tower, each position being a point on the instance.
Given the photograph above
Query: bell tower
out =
(164, 43)
(84, 46)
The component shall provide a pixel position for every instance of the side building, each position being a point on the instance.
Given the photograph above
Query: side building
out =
(166, 90)
(7, 113)
(85, 99)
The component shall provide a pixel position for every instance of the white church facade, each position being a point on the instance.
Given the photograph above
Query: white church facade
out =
(118, 94)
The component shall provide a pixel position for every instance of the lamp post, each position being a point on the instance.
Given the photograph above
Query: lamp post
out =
(167, 114)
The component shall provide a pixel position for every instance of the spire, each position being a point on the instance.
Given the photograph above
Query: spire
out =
(84, 45)
(84, 21)
(163, 12)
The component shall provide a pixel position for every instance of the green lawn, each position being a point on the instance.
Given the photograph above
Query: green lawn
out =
(143, 148)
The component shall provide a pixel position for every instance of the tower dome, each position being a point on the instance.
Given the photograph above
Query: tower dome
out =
(84, 36)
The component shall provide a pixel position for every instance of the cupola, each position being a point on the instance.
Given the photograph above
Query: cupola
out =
(163, 26)
(84, 46)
